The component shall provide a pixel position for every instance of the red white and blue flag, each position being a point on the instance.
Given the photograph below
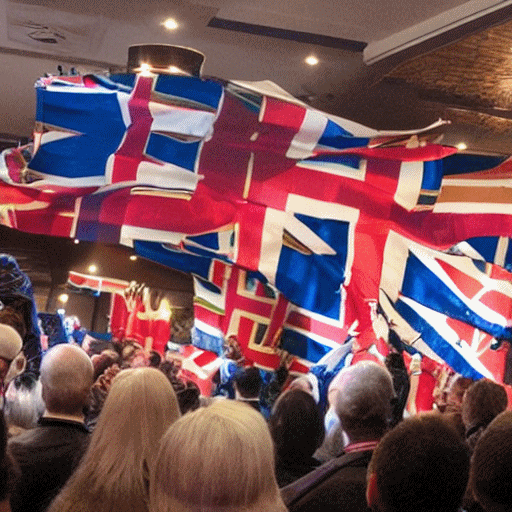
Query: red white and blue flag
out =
(294, 223)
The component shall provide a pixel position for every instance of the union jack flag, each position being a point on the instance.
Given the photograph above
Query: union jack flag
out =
(294, 223)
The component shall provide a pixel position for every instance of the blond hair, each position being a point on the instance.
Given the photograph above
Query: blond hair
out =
(114, 472)
(218, 458)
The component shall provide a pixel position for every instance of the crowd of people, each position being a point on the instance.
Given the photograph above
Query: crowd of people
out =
(116, 428)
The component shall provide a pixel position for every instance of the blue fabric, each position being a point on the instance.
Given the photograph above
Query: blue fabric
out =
(462, 164)
(178, 260)
(99, 126)
(336, 137)
(432, 175)
(313, 281)
(210, 240)
(301, 345)
(167, 149)
(16, 289)
(436, 342)
(206, 92)
(324, 378)
(421, 285)
(205, 341)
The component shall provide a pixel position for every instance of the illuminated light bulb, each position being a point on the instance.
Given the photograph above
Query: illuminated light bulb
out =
(63, 297)
(170, 24)
(311, 60)
(92, 269)
(145, 69)
(133, 257)
(461, 146)
(76, 241)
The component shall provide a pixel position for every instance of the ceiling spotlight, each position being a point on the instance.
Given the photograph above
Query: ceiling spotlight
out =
(311, 60)
(76, 241)
(145, 69)
(171, 24)
(133, 257)
(461, 146)
(63, 297)
(92, 269)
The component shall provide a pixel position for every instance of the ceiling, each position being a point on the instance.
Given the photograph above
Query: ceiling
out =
(390, 64)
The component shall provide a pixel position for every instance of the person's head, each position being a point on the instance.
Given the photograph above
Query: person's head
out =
(66, 377)
(103, 361)
(296, 426)
(421, 465)
(154, 359)
(139, 408)
(23, 403)
(363, 400)
(248, 382)
(12, 360)
(482, 402)
(490, 478)
(302, 383)
(218, 457)
(450, 399)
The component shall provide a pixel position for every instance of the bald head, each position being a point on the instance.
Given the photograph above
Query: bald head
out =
(66, 376)
(362, 400)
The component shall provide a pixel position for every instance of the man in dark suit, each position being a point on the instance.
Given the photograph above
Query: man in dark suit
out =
(48, 454)
(362, 399)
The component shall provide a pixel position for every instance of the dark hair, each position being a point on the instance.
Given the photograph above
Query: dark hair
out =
(482, 402)
(296, 426)
(187, 392)
(421, 465)
(154, 359)
(491, 465)
(104, 360)
(248, 382)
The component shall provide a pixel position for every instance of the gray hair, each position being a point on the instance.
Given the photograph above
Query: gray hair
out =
(363, 400)
(66, 376)
(23, 405)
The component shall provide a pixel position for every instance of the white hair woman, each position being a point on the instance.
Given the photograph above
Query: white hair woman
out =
(23, 403)
(114, 472)
(217, 458)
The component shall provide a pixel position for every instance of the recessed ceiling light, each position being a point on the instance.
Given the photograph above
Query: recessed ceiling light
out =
(461, 146)
(311, 60)
(133, 257)
(171, 24)
(63, 297)
(76, 241)
(92, 269)
(145, 69)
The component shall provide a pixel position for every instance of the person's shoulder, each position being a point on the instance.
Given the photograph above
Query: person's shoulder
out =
(23, 439)
(324, 476)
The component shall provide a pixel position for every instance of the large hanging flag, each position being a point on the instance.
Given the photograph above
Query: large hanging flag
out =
(294, 223)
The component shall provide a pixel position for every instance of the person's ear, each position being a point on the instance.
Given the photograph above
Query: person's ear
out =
(372, 493)
(16, 368)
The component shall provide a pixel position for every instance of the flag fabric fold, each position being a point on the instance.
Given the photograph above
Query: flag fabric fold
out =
(294, 223)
